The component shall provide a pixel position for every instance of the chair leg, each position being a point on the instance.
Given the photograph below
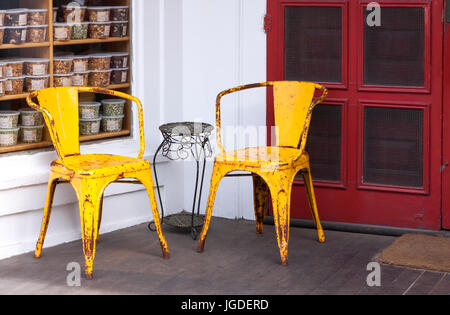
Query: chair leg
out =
(89, 192)
(216, 177)
(260, 199)
(52, 182)
(280, 184)
(100, 219)
(312, 203)
(146, 179)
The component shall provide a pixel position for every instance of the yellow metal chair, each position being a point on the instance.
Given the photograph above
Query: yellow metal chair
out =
(273, 168)
(89, 174)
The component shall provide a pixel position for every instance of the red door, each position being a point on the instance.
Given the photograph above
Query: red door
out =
(376, 143)
(446, 124)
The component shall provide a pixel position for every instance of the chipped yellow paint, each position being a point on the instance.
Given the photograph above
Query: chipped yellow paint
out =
(273, 168)
(89, 174)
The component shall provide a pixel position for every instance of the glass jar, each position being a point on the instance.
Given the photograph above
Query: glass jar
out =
(37, 17)
(14, 67)
(14, 86)
(62, 31)
(36, 83)
(36, 66)
(100, 61)
(16, 17)
(31, 134)
(80, 78)
(119, 29)
(89, 110)
(37, 33)
(62, 65)
(90, 126)
(99, 14)
(119, 76)
(113, 107)
(9, 119)
(112, 124)
(30, 117)
(119, 59)
(61, 80)
(101, 78)
(8, 137)
(99, 30)
(15, 35)
(80, 30)
(73, 13)
(119, 13)
(80, 63)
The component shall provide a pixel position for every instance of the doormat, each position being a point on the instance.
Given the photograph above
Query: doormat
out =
(418, 251)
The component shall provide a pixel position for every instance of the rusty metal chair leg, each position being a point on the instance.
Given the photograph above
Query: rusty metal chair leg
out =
(100, 219)
(280, 185)
(52, 182)
(260, 200)
(312, 203)
(90, 192)
(217, 175)
(146, 179)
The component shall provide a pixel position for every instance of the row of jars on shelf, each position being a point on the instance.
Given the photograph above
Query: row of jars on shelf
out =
(30, 129)
(67, 13)
(81, 22)
(101, 78)
(31, 74)
(17, 35)
(19, 26)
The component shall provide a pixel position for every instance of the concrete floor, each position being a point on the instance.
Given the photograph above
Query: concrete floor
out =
(236, 261)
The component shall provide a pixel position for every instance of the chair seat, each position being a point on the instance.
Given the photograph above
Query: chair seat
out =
(275, 156)
(99, 164)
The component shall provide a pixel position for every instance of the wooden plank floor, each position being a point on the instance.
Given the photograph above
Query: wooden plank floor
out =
(235, 261)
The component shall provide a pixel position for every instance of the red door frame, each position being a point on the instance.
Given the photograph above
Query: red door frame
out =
(446, 128)
(380, 201)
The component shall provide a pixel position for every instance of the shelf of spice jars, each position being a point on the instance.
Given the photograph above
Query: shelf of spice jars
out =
(105, 135)
(24, 45)
(25, 146)
(44, 144)
(91, 41)
(25, 95)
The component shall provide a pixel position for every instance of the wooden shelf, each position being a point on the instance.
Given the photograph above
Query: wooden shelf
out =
(104, 135)
(119, 86)
(25, 146)
(91, 41)
(25, 45)
(14, 97)
(45, 144)
(24, 95)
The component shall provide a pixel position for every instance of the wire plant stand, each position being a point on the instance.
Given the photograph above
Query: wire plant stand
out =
(181, 140)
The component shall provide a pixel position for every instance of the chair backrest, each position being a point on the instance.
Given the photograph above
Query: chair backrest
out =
(60, 108)
(293, 105)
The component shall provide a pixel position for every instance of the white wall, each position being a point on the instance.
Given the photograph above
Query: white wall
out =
(184, 53)
(224, 45)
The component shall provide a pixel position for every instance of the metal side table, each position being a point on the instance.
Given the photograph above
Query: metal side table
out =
(180, 140)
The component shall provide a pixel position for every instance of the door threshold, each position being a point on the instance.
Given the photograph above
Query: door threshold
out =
(360, 228)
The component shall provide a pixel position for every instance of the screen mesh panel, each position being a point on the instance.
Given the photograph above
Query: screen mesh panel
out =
(393, 146)
(324, 143)
(313, 44)
(394, 51)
